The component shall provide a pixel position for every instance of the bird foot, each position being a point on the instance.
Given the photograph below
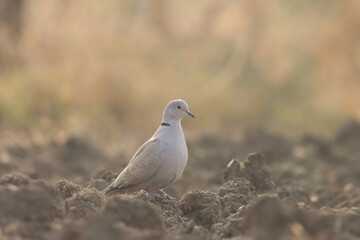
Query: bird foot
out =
(154, 195)
(161, 194)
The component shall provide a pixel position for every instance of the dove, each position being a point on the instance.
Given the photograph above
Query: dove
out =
(161, 160)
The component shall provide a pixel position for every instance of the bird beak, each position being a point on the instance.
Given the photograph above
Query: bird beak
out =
(190, 114)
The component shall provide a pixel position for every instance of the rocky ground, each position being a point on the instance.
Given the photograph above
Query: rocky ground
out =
(263, 186)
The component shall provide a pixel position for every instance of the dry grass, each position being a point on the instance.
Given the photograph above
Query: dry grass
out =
(106, 67)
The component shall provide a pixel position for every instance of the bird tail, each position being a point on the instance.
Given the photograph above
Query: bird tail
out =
(113, 189)
(108, 190)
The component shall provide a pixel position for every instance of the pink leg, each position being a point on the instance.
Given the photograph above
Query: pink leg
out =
(165, 195)
(154, 195)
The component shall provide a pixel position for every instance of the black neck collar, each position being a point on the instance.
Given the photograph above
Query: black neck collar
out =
(165, 124)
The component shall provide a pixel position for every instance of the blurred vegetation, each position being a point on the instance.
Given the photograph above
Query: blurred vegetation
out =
(109, 67)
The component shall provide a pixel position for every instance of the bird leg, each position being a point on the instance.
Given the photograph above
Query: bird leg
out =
(154, 195)
(165, 195)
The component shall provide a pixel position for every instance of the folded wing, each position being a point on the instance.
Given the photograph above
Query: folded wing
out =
(143, 165)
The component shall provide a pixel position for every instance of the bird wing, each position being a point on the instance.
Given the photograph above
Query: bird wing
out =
(142, 166)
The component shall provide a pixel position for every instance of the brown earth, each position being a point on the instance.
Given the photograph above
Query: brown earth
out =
(263, 186)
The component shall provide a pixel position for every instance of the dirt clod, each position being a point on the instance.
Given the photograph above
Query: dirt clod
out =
(268, 218)
(26, 211)
(253, 168)
(203, 207)
(39, 202)
(67, 188)
(234, 194)
(98, 184)
(133, 212)
(84, 204)
(17, 179)
(316, 196)
(106, 175)
(170, 211)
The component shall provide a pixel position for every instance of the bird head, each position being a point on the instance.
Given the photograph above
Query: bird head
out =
(176, 110)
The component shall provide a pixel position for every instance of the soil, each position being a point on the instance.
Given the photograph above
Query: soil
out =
(262, 186)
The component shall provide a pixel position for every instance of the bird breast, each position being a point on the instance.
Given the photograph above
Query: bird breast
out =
(175, 155)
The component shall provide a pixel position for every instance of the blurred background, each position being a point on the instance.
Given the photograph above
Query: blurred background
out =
(108, 68)
(84, 83)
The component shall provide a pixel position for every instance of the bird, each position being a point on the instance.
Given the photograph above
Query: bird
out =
(161, 160)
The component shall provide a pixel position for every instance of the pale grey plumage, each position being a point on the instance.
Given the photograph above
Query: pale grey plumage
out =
(159, 161)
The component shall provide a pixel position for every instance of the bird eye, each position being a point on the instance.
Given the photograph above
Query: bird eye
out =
(178, 107)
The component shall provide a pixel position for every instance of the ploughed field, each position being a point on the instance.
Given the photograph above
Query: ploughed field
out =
(262, 186)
